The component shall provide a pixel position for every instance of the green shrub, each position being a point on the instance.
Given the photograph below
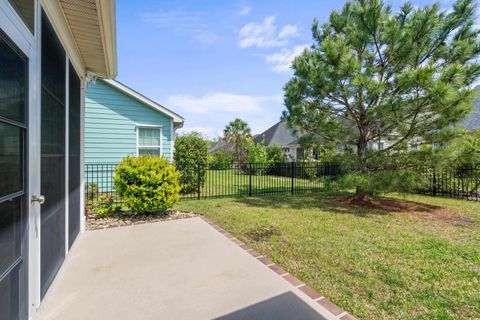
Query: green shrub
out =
(257, 153)
(190, 158)
(104, 206)
(275, 153)
(310, 169)
(401, 180)
(258, 158)
(147, 184)
(221, 159)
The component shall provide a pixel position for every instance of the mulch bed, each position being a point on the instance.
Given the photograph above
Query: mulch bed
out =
(386, 204)
(121, 219)
(416, 210)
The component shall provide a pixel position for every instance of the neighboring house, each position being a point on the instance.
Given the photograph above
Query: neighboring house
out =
(220, 145)
(120, 122)
(290, 142)
(280, 134)
(472, 122)
(48, 48)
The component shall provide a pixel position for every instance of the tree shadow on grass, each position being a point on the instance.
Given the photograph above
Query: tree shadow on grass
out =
(338, 202)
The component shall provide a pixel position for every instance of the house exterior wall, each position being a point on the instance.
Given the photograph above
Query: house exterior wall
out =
(111, 122)
(21, 298)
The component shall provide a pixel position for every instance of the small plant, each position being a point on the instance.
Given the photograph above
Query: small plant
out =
(104, 206)
(147, 184)
(92, 191)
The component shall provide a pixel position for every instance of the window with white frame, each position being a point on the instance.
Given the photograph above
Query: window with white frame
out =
(149, 141)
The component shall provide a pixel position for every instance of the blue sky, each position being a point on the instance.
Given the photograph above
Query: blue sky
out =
(212, 60)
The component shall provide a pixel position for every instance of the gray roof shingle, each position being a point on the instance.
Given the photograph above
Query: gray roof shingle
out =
(279, 134)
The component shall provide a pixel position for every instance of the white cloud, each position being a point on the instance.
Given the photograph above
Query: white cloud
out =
(192, 23)
(208, 132)
(288, 31)
(245, 10)
(204, 37)
(266, 34)
(282, 61)
(171, 18)
(220, 102)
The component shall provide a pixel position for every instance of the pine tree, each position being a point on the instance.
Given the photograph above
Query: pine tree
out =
(372, 74)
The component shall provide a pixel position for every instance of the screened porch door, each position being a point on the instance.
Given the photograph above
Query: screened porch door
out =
(13, 207)
(52, 181)
(60, 155)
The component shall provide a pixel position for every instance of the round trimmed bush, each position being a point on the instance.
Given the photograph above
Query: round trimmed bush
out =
(147, 184)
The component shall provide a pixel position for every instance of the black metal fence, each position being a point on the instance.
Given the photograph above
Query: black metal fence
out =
(463, 183)
(236, 180)
(99, 183)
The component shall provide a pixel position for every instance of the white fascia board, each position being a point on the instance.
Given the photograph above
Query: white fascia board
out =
(134, 94)
(107, 21)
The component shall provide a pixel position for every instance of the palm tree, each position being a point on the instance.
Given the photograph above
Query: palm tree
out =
(237, 133)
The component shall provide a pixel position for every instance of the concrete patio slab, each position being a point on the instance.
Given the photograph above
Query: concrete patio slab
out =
(182, 269)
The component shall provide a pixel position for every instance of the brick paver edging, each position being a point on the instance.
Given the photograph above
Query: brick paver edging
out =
(338, 312)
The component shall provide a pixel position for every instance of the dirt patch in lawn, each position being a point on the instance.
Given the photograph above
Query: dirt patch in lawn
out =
(262, 233)
(120, 219)
(415, 210)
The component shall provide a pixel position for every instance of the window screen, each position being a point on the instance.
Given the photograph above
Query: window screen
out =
(26, 10)
(149, 141)
(13, 81)
(52, 173)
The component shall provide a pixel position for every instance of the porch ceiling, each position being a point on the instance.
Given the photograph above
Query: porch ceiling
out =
(92, 24)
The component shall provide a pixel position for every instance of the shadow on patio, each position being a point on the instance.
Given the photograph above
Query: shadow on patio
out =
(285, 306)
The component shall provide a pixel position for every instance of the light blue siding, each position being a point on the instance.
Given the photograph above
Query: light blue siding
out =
(111, 120)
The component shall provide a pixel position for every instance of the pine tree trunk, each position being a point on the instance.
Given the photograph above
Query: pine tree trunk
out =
(361, 194)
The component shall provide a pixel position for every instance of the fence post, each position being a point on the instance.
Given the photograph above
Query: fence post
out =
(293, 175)
(198, 181)
(434, 183)
(249, 179)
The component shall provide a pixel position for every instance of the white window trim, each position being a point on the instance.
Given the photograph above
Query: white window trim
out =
(149, 126)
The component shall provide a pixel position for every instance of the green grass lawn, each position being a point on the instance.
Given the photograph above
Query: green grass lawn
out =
(420, 263)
